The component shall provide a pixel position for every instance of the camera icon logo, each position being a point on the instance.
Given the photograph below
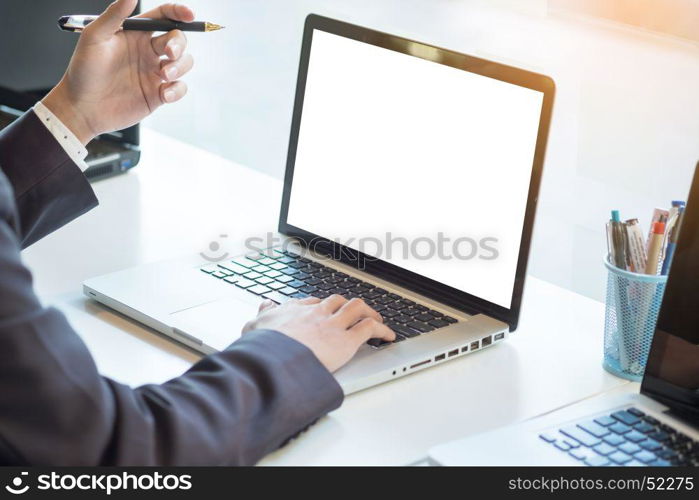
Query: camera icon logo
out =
(16, 487)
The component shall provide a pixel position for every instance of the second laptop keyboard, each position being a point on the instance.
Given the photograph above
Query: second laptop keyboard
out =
(280, 274)
(626, 437)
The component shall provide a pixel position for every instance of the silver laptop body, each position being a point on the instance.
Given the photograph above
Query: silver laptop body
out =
(522, 444)
(444, 309)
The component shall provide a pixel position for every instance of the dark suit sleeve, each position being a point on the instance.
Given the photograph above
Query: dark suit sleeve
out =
(230, 408)
(50, 189)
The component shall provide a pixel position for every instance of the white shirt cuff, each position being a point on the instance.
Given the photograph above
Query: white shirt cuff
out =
(72, 146)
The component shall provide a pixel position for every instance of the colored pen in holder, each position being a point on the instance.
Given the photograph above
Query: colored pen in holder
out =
(632, 306)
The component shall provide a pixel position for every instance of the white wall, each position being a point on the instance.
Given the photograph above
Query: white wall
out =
(625, 132)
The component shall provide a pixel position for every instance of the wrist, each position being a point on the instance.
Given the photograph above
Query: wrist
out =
(59, 103)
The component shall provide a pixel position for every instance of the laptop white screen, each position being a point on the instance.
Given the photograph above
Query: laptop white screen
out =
(419, 164)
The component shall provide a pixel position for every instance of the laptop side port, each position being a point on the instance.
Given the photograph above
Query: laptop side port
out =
(486, 341)
(421, 363)
(475, 345)
(440, 357)
(464, 349)
(499, 336)
(453, 352)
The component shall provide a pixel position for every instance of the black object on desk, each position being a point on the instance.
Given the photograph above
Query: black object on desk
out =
(34, 59)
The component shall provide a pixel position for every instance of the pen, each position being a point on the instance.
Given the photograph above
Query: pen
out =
(618, 241)
(675, 207)
(77, 23)
(637, 246)
(672, 241)
(616, 234)
(655, 247)
(659, 215)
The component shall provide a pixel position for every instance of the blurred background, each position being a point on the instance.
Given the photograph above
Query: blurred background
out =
(625, 132)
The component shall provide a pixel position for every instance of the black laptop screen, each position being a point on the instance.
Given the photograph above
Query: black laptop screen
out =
(672, 372)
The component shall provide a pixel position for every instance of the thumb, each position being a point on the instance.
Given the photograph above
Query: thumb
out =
(111, 19)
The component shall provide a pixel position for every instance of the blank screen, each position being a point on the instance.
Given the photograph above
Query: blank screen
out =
(416, 163)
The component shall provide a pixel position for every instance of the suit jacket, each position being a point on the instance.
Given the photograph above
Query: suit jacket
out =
(229, 408)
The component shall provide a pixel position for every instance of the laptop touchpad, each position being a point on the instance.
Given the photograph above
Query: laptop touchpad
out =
(218, 323)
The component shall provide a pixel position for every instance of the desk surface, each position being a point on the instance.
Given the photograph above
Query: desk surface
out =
(182, 198)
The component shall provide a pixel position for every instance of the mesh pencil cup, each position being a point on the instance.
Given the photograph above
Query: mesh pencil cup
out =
(633, 303)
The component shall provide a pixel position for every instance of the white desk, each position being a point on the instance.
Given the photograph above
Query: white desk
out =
(180, 198)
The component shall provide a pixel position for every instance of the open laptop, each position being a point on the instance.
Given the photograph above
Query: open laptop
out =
(658, 427)
(391, 139)
(38, 57)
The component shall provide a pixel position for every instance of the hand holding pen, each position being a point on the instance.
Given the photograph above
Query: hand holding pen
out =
(118, 77)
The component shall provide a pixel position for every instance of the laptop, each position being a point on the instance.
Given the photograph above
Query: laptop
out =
(411, 182)
(658, 427)
(29, 71)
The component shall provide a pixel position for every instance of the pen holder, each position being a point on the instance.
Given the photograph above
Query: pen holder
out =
(633, 303)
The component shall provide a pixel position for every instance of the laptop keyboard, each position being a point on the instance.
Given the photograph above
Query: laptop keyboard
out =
(280, 274)
(627, 437)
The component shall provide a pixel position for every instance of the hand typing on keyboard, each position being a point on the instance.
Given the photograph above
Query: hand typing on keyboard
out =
(278, 275)
(333, 328)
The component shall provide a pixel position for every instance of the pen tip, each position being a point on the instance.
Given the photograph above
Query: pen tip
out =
(213, 27)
